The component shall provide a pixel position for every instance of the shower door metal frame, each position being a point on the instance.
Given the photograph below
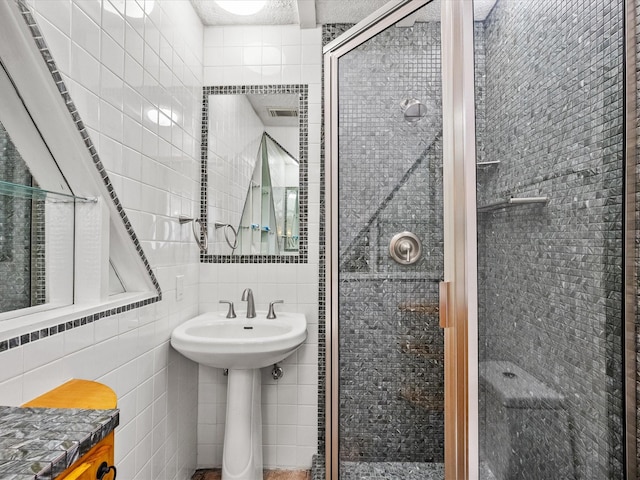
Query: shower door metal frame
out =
(630, 279)
(459, 184)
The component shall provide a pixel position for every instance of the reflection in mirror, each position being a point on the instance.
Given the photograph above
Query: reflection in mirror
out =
(254, 173)
(262, 227)
(291, 219)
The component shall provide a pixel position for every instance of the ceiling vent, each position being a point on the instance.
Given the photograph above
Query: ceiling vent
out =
(282, 112)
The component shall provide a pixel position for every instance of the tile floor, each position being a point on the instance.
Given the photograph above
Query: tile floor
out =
(216, 474)
(360, 471)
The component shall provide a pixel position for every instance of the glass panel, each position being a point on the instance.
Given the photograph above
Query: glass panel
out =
(391, 380)
(36, 234)
(34, 193)
(115, 282)
(549, 127)
(22, 233)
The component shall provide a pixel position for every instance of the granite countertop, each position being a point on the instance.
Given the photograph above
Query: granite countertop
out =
(40, 443)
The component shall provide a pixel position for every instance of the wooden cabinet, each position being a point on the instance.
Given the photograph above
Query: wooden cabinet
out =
(87, 467)
(89, 395)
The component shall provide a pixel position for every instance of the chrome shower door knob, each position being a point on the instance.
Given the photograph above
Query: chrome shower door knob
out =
(405, 248)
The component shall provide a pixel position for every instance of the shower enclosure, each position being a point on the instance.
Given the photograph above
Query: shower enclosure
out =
(392, 366)
(492, 134)
(392, 243)
(550, 273)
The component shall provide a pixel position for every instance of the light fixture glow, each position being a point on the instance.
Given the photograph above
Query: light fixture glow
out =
(242, 7)
(131, 8)
(162, 116)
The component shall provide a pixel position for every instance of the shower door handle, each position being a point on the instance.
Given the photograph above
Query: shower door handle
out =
(443, 306)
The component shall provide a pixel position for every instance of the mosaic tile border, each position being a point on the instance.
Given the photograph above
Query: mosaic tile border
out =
(303, 114)
(23, 339)
(17, 341)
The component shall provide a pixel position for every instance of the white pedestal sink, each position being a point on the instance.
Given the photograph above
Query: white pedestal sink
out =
(243, 345)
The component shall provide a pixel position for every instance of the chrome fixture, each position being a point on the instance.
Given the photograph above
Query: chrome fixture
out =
(277, 372)
(247, 296)
(405, 248)
(202, 240)
(231, 313)
(272, 313)
(413, 109)
(227, 227)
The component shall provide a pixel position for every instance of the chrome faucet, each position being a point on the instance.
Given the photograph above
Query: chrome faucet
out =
(247, 296)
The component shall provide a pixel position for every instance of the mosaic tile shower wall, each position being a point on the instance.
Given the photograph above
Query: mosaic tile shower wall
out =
(390, 180)
(549, 276)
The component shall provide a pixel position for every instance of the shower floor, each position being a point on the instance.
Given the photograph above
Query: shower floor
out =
(400, 471)
(391, 471)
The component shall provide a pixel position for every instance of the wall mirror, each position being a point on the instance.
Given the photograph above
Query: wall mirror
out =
(254, 173)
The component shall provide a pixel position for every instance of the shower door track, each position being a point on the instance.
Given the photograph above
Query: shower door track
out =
(460, 272)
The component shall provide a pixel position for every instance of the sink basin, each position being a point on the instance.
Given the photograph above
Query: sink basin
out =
(240, 343)
(243, 345)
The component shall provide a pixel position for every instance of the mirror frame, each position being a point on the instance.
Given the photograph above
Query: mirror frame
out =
(303, 198)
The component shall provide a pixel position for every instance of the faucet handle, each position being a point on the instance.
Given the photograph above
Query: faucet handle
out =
(272, 313)
(231, 313)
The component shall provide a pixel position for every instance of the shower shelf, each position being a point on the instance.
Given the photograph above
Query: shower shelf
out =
(513, 202)
(15, 190)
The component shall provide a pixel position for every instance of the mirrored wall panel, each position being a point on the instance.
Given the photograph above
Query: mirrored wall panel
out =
(254, 149)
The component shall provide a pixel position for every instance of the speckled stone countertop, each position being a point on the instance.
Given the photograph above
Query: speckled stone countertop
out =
(40, 443)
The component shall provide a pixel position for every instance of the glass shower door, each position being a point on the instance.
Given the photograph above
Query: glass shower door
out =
(550, 175)
(389, 252)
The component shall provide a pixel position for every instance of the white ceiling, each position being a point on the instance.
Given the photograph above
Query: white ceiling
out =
(261, 104)
(288, 12)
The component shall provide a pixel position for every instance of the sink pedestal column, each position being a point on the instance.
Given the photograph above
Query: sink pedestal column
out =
(242, 451)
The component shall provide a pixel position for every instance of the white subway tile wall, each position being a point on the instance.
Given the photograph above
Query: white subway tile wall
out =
(235, 133)
(264, 55)
(134, 70)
